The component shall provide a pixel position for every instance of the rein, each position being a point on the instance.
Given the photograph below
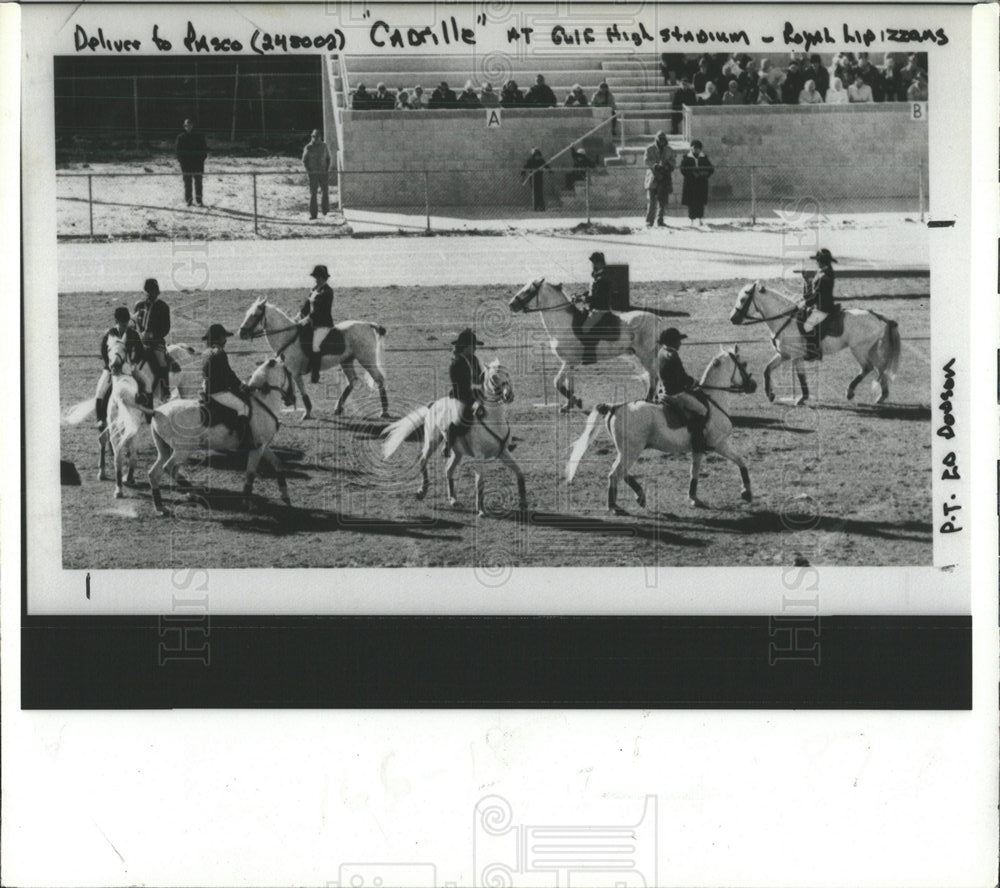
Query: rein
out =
(788, 313)
(525, 310)
(501, 441)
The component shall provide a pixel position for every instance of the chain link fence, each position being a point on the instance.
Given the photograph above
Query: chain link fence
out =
(271, 202)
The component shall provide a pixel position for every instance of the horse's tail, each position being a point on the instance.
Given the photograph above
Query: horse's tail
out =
(80, 412)
(396, 433)
(380, 332)
(886, 351)
(583, 442)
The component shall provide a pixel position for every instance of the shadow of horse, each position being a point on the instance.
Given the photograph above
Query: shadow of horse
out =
(768, 423)
(640, 527)
(904, 412)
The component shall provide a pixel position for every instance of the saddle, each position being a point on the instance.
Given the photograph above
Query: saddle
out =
(831, 325)
(212, 413)
(333, 344)
(674, 415)
(608, 328)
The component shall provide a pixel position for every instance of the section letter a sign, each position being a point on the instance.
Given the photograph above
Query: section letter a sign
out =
(493, 117)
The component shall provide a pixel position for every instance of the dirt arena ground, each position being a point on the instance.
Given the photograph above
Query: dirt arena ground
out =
(834, 483)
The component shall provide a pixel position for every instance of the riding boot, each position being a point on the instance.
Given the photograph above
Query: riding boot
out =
(241, 426)
(314, 361)
(101, 409)
(696, 428)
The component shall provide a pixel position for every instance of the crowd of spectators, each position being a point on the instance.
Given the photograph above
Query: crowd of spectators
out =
(540, 95)
(740, 79)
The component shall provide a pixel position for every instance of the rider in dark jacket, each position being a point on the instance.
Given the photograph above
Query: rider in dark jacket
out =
(122, 329)
(818, 301)
(466, 374)
(598, 302)
(316, 318)
(152, 320)
(222, 390)
(678, 387)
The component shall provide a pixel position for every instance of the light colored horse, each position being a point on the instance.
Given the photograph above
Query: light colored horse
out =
(637, 425)
(638, 332)
(873, 339)
(487, 438)
(363, 345)
(178, 430)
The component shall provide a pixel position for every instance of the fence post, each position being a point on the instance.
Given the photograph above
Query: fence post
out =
(753, 195)
(90, 202)
(427, 199)
(920, 189)
(254, 176)
(135, 108)
(586, 192)
(236, 89)
(621, 131)
(263, 123)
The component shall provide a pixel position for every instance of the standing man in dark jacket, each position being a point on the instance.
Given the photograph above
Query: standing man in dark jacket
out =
(466, 375)
(678, 388)
(316, 319)
(222, 390)
(152, 320)
(658, 182)
(541, 94)
(818, 302)
(696, 169)
(122, 330)
(316, 160)
(191, 154)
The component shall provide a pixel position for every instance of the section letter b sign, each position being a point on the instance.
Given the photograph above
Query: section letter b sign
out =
(918, 110)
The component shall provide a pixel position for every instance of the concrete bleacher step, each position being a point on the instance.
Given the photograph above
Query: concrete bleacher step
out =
(402, 64)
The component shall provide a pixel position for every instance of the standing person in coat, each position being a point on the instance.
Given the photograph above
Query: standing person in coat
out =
(152, 320)
(316, 319)
(223, 392)
(696, 169)
(316, 159)
(658, 183)
(466, 375)
(534, 170)
(678, 389)
(191, 153)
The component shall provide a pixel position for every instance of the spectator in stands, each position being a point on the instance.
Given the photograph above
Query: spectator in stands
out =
(541, 94)
(767, 92)
(684, 95)
(317, 161)
(417, 100)
(534, 172)
(733, 95)
(918, 88)
(603, 98)
(907, 74)
(581, 163)
(810, 95)
(869, 74)
(468, 99)
(703, 77)
(749, 81)
(511, 96)
(696, 169)
(710, 96)
(443, 97)
(844, 66)
(819, 75)
(403, 101)
(792, 85)
(576, 97)
(383, 100)
(732, 68)
(488, 97)
(891, 82)
(772, 74)
(658, 181)
(672, 61)
(859, 91)
(362, 100)
(836, 94)
(191, 153)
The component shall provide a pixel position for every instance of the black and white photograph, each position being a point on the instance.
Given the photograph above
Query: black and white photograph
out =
(553, 379)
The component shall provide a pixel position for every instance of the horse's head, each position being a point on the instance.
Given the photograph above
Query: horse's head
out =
(524, 296)
(728, 372)
(497, 384)
(744, 301)
(254, 318)
(117, 354)
(273, 375)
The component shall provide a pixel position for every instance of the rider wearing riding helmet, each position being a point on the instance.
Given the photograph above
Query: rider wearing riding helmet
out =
(121, 330)
(818, 301)
(223, 393)
(316, 319)
(678, 388)
(598, 301)
(466, 374)
(152, 320)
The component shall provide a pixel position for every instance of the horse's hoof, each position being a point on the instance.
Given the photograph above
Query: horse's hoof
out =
(182, 482)
(578, 403)
(480, 514)
(617, 510)
(119, 493)
(746, 496)
(770, 397)
(799, 401)
(641, 501)
(696, 504)
(101, 476)
(287, 500)
(338, 412)
(384, 415)
(565, 408)
(850, 394)
(420, 494)
(164, 512)
(453, 503)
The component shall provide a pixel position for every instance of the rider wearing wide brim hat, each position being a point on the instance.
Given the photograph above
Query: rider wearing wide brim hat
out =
(223, 393)
(678, 388)
(316, 319)
(466, 374)
(818, 302)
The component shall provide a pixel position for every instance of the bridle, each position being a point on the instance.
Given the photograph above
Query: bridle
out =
(522, 305)
(743, 312)
(260, 317)
(287, 391)
(493, 394)
(737, 388)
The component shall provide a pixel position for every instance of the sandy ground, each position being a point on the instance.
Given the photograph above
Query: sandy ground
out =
(854, 480)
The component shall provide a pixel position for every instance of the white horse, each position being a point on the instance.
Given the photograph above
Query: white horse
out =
(363, 343)
(178, 430)
(636, 425)
(487, 438)
(634, 334)
(872, 339)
